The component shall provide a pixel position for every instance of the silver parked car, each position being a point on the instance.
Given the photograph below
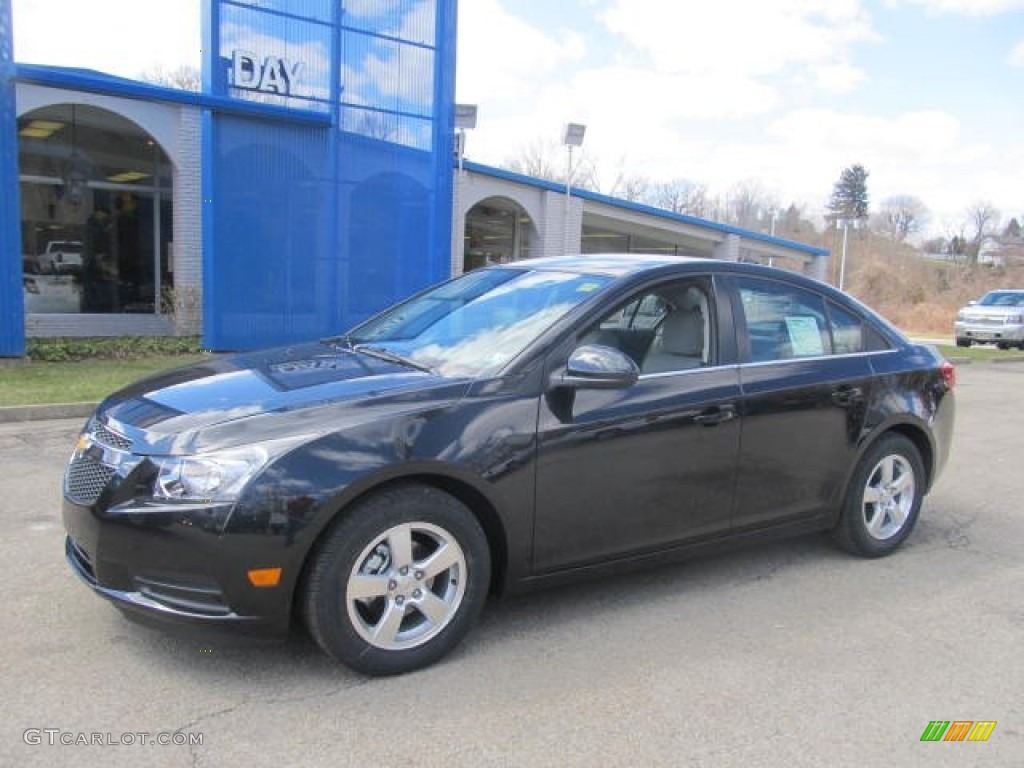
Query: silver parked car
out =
(60, 257)
(998, 318)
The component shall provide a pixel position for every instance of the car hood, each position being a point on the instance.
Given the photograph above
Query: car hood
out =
(308, 389)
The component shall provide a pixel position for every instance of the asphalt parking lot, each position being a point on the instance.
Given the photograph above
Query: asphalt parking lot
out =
(790, 654)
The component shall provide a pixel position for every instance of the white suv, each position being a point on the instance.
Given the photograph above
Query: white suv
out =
(61, 256)
(998, 318)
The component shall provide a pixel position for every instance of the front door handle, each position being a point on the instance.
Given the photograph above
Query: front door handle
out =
(715, 415)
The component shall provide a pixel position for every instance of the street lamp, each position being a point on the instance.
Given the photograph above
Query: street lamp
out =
(572, 137)
(845, 224)
(465, 120)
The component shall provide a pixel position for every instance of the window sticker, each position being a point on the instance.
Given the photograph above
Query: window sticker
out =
(587, 287)
(804, 336)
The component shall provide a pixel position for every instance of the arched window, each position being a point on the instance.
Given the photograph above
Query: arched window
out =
(96, 213)
(498, 230)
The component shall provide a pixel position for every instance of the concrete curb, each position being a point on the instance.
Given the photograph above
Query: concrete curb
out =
(14, 413)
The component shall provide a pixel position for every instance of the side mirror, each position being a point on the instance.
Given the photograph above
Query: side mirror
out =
(594, 366)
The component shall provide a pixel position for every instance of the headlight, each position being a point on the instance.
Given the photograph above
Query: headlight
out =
(216, 476)
(1014, 319)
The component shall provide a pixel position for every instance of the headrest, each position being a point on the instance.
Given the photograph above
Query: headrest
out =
(683, 333)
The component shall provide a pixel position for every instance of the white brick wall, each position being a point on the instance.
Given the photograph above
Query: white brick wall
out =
(188, 224)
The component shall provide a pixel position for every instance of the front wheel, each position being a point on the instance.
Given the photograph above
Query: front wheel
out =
(398, 582)
(963, 342)
(884, 498)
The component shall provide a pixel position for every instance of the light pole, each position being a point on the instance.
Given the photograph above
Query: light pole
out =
(845, 224)
(572, 137)
(465, 119)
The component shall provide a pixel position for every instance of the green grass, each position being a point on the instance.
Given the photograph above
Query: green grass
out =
(37, 383)
(982, 353)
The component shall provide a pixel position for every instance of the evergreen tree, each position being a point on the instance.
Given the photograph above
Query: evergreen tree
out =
(850, 194)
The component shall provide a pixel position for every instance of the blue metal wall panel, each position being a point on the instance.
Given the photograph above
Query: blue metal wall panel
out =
(308, 230)
(12, 316)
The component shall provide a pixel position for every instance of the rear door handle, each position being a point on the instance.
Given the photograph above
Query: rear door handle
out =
(712, 417)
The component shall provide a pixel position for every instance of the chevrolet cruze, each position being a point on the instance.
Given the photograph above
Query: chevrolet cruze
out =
(517, 426)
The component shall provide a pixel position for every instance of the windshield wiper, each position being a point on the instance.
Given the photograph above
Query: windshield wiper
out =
(392, 357)
(345, 341)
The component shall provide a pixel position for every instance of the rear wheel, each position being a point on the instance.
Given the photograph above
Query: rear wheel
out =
(398, 582)
(884, 498)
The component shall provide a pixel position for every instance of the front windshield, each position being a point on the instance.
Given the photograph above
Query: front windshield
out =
(477, 323)
(1002, 299)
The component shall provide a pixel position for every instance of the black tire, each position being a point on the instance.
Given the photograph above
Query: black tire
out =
(883, 499)
(963, 342)
(421, 562)
(1003, 346)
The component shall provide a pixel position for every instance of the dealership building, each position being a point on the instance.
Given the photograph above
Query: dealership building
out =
(310, 182)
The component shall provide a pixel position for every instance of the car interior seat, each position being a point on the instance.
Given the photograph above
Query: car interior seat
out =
(680, 342)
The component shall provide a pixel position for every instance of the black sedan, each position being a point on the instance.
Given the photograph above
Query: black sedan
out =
(516, 426)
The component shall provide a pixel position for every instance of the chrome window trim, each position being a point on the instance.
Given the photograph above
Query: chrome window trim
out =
(845, 355)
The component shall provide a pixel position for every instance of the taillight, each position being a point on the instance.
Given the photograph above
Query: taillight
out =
(948, 372)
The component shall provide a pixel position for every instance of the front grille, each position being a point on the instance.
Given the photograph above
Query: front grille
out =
(111, 438)
(86, 480)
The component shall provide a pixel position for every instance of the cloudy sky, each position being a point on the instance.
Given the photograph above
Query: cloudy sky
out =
(925, 93)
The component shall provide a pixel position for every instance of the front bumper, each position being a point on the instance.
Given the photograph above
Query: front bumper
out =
(165, 570)
(150, 610)
(988, 333)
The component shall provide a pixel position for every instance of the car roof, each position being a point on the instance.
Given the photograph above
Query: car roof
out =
(611, 264)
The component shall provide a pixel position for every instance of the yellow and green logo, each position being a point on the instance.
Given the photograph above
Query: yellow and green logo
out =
(958, 730)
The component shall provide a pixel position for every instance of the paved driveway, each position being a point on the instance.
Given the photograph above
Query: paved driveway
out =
(791, 654)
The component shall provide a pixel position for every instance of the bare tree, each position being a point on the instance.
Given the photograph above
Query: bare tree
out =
(747, 203)
(982, 223)
(682, 196)
(901, 216)
(632, 187)
(540, 158)
(182, 77)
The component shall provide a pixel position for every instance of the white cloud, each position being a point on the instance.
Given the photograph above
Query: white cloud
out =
(750, 38)
(921, 153)
(500, 55)
(840, 77)
(965, 7)
(107, 35)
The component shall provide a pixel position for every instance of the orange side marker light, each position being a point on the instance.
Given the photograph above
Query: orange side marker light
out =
(265, 577)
